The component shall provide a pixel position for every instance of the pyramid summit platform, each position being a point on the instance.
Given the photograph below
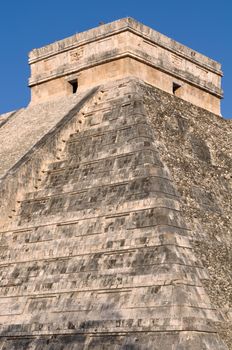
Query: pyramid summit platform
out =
(121, 49)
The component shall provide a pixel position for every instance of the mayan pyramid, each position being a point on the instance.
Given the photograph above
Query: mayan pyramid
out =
(115, 198)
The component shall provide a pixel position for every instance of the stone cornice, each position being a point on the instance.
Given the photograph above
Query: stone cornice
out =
(181, 75)
(125, 24)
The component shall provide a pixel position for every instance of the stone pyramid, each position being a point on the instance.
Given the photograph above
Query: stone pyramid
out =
(115, 233)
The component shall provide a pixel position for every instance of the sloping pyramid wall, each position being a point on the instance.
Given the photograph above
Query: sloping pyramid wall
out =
(98, 254)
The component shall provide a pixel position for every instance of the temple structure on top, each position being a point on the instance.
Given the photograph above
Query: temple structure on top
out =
(125, 48)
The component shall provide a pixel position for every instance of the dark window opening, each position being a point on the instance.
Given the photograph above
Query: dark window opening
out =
(175, 87)
(74, 84)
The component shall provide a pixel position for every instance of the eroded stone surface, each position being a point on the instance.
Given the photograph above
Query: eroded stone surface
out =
(95, 252)
(197, 146)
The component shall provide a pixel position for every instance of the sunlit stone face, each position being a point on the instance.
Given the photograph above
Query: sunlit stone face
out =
(124, 48)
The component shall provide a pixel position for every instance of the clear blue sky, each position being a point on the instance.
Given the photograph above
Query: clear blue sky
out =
(205, 26)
